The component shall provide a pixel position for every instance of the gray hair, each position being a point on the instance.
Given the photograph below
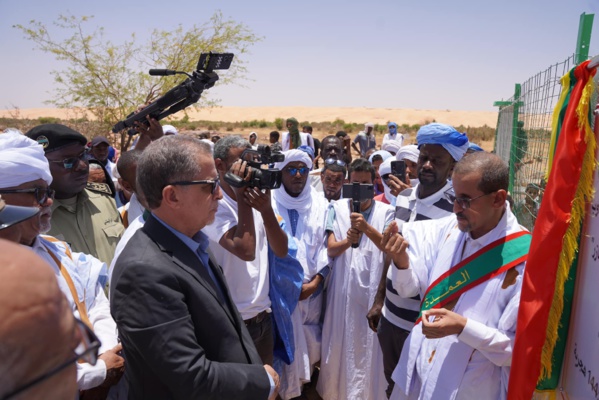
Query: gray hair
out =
(495, 173)
(94, 166)
(223, 146)
(166, 160)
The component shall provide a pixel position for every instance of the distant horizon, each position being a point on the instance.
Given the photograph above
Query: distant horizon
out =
(359, 115)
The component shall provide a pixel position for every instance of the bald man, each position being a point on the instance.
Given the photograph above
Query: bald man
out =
(31, 303)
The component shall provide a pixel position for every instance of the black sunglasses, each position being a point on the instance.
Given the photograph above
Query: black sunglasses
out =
(71, 162)
(214, 182)
(87, 351)
(41, 194)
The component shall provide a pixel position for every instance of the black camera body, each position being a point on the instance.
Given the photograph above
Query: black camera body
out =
(183, 95)
(261, 177)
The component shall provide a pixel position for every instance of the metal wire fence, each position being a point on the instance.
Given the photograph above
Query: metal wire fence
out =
(523, 134)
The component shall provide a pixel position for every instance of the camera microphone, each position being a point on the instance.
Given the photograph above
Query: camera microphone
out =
(162, 72)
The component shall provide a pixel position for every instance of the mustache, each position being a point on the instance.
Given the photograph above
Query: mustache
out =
(460, 214)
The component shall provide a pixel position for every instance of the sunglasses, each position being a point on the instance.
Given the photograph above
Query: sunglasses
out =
(41, 194)
(463, 202)
(293, 171)
(331, 161)
(71, 162)
(214, 182)
(86, 351)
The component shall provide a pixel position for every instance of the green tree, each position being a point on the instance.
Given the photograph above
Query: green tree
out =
(111, 80)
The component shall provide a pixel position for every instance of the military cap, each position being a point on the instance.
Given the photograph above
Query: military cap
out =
(55, 136)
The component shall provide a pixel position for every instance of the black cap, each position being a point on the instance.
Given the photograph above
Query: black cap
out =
(54, 136)
(10, 215)
(99, 139)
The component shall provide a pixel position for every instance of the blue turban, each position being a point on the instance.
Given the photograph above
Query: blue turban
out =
(307, 149)
(456, 143)
(474, 147)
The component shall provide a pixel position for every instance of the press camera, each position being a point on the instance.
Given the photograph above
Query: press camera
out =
(261, 176)
(183, 95)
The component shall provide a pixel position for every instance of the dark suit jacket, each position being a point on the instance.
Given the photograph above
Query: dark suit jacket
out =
(179, 340)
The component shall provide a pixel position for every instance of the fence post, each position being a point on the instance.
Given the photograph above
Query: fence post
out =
(585, 27)
(513, 147)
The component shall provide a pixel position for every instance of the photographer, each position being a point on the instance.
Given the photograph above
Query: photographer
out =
(244, 226)
(351, 367)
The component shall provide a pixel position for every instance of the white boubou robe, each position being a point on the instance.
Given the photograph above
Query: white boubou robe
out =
(351, 365)
(89, 275)
(307, 328)
(476, 363)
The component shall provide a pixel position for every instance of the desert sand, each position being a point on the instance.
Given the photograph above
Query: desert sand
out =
(312, 114)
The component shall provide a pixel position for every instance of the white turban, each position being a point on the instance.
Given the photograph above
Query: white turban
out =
(409, 152)
(302, 202)
(391, 146)
(383, 153)
(384, 169)
(166, 129)
(22, 160)
(295, 155)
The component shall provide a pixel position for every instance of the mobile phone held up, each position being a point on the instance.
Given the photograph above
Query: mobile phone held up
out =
(398, 169)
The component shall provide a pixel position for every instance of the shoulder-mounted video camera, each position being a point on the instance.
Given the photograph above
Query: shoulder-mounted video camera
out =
(183, 95)
(262, 177)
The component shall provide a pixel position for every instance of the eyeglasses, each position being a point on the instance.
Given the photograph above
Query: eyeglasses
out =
(463, 202)
(214, 182)
(293, 171)
(86, 351)
(385, 177)
(70, 163)
(41, 194)
(331, 161)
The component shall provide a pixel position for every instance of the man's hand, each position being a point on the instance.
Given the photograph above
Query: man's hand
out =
(258, 200)
(442, 323)
(396, 185)
(353, 236)
(275, 378)
(358, 222)
(242, 170)
(374, 315)
(395, 246)
(309, 288)
(115, 364)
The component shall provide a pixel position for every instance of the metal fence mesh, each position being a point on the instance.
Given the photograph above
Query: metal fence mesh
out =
(522, 138)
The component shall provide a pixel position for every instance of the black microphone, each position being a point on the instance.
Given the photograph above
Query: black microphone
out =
(162, 72)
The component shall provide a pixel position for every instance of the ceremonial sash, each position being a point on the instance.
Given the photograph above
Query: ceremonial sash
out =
(81, 307)
(488, 262)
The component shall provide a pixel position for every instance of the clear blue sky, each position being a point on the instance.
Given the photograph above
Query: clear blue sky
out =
(439, 54)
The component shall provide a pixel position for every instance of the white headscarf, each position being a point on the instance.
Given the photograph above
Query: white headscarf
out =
(166, 129)
(409, 152)
(384, 169)
(303, 201)
(22, 160)
(391, 146)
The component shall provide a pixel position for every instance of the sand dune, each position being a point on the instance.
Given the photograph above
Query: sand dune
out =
(311, 114)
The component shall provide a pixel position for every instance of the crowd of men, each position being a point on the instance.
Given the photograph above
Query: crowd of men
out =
(365, 283)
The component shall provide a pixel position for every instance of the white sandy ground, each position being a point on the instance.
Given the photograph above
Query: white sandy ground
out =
(312, 114)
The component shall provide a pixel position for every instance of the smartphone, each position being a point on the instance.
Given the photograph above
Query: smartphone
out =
(398, 169)
(358, 192)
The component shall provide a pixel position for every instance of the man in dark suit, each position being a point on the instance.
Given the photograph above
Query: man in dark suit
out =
(181, 333)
